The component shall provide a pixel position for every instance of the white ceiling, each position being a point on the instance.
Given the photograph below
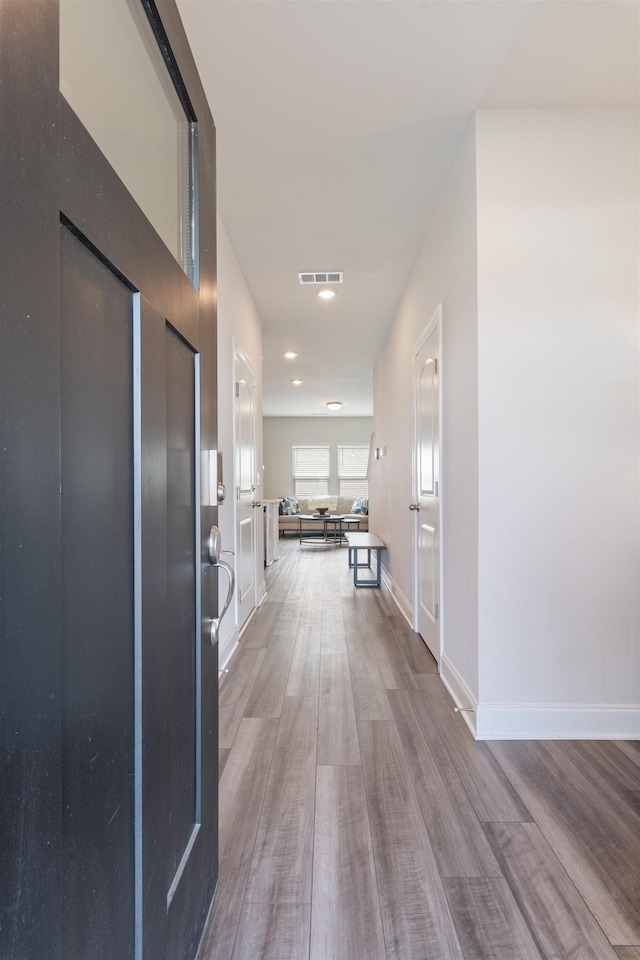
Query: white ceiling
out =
(337, 122)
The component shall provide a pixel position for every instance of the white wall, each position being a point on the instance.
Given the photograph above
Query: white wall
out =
(280, 433)
(558, 392)
(533, 251)
(445, 272)
(239, 325)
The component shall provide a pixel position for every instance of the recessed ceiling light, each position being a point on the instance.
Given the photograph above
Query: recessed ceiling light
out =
(290, 355)
(296, 383)
(334, 404)
(327, 294)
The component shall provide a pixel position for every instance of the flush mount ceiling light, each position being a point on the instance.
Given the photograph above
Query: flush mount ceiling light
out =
(327, 294)
(297, 383)
(289, 354)
(334, 404)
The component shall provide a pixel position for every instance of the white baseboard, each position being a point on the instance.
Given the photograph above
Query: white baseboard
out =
(461, 693)
(558, 721)
(541, 721)
(401, 602)
(226, 649)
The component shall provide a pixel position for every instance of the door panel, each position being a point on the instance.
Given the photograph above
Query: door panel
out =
(99, 819)
(426, 486)
(427, 595)
(246, 571)
(246, 468)
(97, 605)
(180, 701)
(171, 801)
(428, 409)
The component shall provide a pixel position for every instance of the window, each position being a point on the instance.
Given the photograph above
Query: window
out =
(113, 72)
(352, 470)
(311, 470)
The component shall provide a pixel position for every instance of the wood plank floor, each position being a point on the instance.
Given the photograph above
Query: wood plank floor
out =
(359, 820)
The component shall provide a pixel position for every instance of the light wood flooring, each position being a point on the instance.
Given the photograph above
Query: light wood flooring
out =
(359, 820)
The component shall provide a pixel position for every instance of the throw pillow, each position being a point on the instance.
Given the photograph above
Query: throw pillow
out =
(360, 505)
(289, 506)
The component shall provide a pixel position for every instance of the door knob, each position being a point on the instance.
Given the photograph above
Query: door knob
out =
(414, 506)
(256, 503)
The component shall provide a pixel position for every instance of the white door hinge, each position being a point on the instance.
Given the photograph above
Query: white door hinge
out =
(436, 488)
(435, 366)
(237, 389)
(437, 611)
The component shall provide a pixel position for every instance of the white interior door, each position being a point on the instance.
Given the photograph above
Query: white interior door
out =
(248, 508)
(426, 505)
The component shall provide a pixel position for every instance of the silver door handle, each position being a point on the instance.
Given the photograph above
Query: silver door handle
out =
(414, 506)
(256, 503)
(216, 621)
(213, 546)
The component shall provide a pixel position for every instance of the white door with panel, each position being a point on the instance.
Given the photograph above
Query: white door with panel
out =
(426, 505)
(248, 508)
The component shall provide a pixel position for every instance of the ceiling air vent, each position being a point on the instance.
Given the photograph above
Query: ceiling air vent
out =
(324, 276)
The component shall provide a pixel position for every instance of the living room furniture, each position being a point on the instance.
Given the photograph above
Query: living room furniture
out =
(290, 523)
(338, 532)
(360, 542)
(326, 536)
(353, 522)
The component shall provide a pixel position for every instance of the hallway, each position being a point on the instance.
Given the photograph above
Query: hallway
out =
(360, 821)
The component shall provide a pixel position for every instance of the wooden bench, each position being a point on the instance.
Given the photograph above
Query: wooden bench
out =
(368, 542)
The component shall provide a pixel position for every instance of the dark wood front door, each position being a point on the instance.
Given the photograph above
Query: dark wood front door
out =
(108, 798)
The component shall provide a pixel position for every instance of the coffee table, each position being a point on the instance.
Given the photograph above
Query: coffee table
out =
(349, 521)
(325, 538)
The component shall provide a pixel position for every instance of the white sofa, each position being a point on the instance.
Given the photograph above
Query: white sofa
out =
(336, 505)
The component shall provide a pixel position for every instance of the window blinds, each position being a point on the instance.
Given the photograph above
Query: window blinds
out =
(311, 470)
(352, 470)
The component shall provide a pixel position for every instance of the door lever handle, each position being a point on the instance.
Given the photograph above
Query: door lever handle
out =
(216, 621)
(214, 551)
(414, 506)
(256, 503)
